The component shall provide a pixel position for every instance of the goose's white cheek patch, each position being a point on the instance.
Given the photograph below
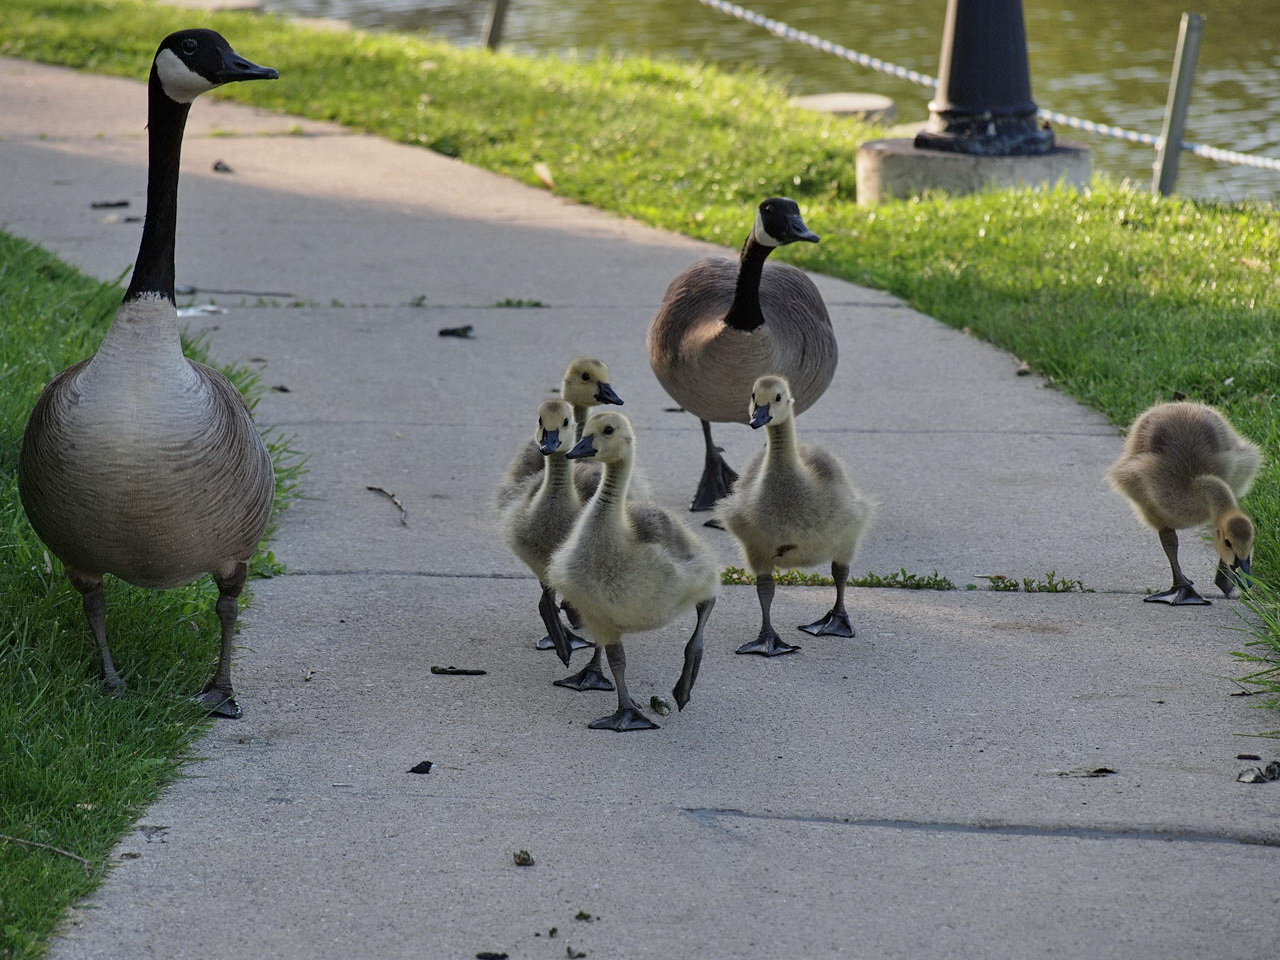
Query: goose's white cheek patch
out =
(762, 235)
(180, 82)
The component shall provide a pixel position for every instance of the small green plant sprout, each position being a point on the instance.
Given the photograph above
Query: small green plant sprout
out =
(1049, 583)
(1052, 583)
(899, 579)
(519, 303)
(998, 581)
(523, 858)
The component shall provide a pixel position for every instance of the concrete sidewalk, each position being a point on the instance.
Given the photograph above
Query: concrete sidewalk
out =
(919, 791)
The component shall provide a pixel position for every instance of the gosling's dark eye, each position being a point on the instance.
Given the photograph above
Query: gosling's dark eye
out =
(565, 422)
(608, 431)
(189, 46)
(1229, 546)
(777, 398)
(586, 376)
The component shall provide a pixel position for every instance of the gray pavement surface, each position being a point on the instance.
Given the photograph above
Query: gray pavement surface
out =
(919, 791)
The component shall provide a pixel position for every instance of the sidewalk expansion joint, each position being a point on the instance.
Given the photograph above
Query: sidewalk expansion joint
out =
(432, 574)
(711, 817)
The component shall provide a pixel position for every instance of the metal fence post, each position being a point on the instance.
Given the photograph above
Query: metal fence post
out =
(1175, 110)
(493, 24)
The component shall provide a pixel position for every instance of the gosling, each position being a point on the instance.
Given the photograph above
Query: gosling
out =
(793, 505)
(1184, 465)
(628, 567)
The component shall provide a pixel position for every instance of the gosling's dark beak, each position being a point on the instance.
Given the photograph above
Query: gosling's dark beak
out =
(1242, 569)
(550, 442)
(1237, 575)
(759, 415)
(796, 230)
(605, 394)
(236, 67)
(583, 448)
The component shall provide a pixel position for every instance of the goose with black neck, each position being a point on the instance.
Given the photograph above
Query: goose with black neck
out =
(724, 323)
(137, 461)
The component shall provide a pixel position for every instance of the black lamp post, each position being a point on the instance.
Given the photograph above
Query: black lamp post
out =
(983, 103)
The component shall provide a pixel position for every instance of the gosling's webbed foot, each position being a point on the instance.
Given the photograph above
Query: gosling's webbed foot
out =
(1179, 595)
(626, 718)
(716, 484)
(220, 703)
(768, 644)
(575, 642)
(588, 678)
(834, 624)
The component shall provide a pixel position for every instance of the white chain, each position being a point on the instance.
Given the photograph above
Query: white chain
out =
(780, 29)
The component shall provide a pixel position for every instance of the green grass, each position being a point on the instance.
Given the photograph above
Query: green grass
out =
(79, 765)
(1121, 299)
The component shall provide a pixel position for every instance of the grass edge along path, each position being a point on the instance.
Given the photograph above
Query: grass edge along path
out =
(77, 767)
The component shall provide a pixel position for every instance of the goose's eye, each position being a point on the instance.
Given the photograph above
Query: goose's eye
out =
(778, 398)
(608, 431)
(565, 422)
(189, 46)
(1228, 543)
(586, 376)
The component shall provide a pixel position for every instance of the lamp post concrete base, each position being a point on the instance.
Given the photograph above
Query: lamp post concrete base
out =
(898, 168)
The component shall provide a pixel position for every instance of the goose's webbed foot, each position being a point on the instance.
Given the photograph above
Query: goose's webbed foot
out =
(625, 719)
(220, 703)
(1179, 595)
(717, 476)
(834, 624)
(590, 677)
(575, 642)
(768, 644)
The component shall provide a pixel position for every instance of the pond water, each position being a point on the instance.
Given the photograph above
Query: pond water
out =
(1108, 62)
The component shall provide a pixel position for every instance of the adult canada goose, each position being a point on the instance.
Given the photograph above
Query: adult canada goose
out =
(628, 567)
(1184, 465)
(585, 385)
(137, 461)
(794, 505)
(723, 324)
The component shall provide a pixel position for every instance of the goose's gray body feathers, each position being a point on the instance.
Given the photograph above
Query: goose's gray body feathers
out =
(143, 464)
(708, 366)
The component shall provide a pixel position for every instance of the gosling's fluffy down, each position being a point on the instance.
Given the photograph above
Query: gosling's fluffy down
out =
(628, 567)
(585, 385)
(1184, 465)
(794, 506)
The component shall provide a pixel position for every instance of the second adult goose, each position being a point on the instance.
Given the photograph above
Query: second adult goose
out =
(794, 506)
(1184, 465)
(139, 462)
(723, 324)
(628, 567)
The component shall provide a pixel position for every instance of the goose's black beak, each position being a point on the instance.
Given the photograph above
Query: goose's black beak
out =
(236, 67)
(583, 448)
(796, 230)
(550, 442)
(605, 394)
(759, 415)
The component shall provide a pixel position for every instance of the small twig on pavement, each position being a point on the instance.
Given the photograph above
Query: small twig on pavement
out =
(404, 514)
(87, 864)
